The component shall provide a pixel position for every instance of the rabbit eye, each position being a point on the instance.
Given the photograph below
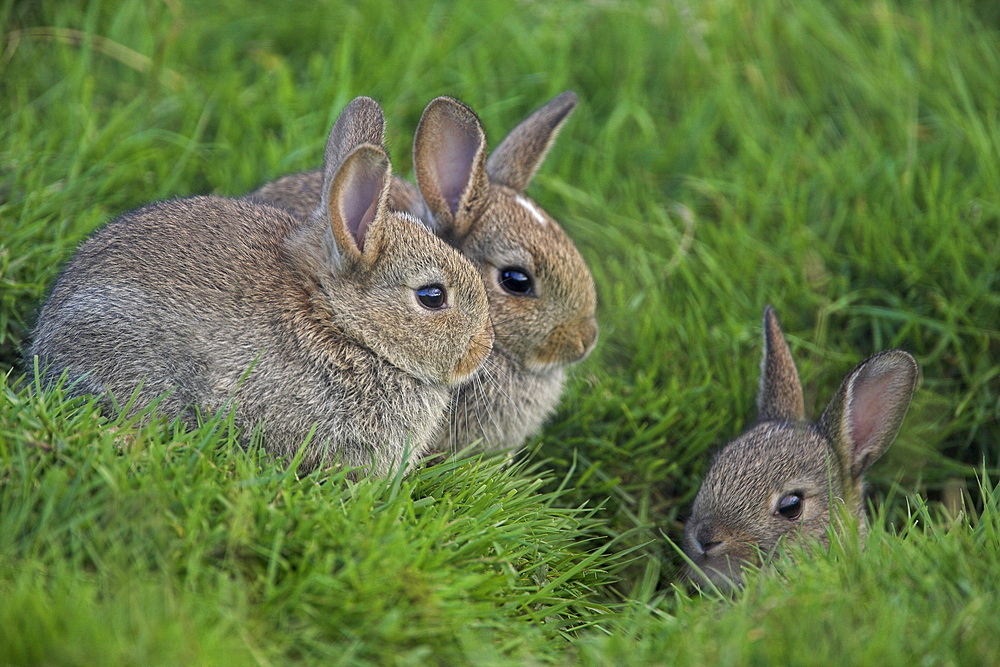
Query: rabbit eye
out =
(790, 506)
(516, 280)
(432, 297)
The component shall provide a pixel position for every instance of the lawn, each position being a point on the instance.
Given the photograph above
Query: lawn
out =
(837, 160)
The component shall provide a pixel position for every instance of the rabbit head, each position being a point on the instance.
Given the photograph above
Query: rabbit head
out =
(784, 477)
(541, 293)
(393, 286)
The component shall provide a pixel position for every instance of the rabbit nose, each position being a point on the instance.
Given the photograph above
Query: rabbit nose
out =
(707, 540)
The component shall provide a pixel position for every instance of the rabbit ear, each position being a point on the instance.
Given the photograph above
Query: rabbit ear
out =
(358, 197)
(361, 122)
(863, 418)
(780, 394)
(517, 158)
(449, 154)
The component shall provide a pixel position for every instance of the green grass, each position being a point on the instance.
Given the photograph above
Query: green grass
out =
(924, 594)
(838, 160)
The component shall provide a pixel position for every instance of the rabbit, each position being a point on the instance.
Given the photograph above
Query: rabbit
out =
(354, 322)
(785, 476)
(541, 292)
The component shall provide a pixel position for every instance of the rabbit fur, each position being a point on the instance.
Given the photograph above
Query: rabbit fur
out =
(477, 204)
(210, 303)
(783, 478)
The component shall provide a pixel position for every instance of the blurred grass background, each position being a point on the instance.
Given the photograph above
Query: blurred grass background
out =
(838, 160)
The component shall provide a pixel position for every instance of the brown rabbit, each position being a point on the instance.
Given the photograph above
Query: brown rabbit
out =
(540, 290)
(348, 327)
(784, 476)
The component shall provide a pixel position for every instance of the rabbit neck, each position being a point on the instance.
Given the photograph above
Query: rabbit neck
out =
(502, 405)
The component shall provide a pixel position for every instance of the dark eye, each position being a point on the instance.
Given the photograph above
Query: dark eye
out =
(432, 297)
(516, 280)
(790, 506)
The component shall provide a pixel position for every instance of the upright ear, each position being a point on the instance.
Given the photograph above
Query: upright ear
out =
(780, 394)
(361, 122)
(358, 198)
(863, 418)
(449, 157)
(517, 158)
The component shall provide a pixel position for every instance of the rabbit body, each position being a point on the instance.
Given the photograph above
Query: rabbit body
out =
(298, 325)
(540, 291)
(784, 477)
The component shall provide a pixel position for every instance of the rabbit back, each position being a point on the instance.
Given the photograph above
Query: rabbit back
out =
(300, 194)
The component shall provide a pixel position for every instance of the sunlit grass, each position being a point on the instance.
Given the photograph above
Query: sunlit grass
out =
(836, 160)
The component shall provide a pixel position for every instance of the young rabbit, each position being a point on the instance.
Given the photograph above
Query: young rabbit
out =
(540, 291)
(784, 476)
(354, 322)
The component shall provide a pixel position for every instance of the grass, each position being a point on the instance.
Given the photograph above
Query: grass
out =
(837, 160)
(162, 529)
(921, 594)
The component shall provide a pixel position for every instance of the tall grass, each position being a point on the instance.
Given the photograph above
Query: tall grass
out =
(838, 160)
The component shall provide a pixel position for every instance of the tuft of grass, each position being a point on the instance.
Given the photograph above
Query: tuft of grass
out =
(230, 549)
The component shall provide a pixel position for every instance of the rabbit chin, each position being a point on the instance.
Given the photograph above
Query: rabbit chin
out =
(725, 572)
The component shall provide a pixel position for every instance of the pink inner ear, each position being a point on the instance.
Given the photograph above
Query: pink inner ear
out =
(360, 203)
(366, 220)
(871, 406)
(453, 162)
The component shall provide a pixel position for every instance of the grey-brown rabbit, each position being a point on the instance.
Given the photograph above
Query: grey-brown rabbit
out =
(541, 293)
(782, 478)
(353, 322)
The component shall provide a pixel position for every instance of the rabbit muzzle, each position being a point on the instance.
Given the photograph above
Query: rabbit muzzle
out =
(723, 572)
(568, 343)
(716, 555)
(480, 346)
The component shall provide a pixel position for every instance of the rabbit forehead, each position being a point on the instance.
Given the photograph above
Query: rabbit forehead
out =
(770, 458)
(410, 255)
(510, 214)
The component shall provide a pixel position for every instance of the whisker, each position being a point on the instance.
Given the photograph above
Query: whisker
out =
(506, 320)
(453, 422)
(488, 401)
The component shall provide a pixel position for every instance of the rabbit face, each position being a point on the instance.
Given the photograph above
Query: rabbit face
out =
(774, 483)
(425, 308)
(540, 291)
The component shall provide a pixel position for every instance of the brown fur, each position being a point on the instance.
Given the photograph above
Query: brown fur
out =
(298, 324)
(477, 205)
(735, 517)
